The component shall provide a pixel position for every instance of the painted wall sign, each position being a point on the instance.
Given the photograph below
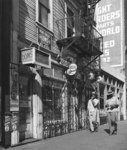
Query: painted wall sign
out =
(110, 24)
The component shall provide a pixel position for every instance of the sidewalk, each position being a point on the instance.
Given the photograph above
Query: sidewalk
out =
(83, 140)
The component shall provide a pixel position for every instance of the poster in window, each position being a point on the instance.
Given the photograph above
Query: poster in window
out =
(14, 90)
(44, 39)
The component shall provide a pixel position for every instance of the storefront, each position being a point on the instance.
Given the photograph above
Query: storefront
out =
(42, 96)
(54, 107)
(115, 81)
(64, 102)
(25, 123)
(47, 101)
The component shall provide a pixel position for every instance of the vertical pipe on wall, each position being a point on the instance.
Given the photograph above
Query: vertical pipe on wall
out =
(6, 44)
(0, 64)
(14, 54)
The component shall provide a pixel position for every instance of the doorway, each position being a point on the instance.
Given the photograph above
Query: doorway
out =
(25, 108)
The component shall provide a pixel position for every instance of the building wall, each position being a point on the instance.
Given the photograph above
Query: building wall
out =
(125, 24)
(27, 18)
(28, 21)
(58, 13)
(105, 24)
(116, 80)
(22, 28)
(28, 37)
(116, 60)
(6, 46)
(0, 62)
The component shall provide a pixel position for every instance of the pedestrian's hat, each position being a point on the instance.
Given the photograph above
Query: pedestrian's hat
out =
(93, 93)
(110, 93)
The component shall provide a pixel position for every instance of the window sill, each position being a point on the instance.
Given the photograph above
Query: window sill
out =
(42, 26)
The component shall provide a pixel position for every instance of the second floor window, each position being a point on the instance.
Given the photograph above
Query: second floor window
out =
(70, 23)
(44, 12)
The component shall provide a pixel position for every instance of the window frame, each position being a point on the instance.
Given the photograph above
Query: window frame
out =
(66, 22)
(50, 15)
(46, 11)
(52, 102)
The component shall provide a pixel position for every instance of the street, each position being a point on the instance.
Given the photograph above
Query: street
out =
(83, 140)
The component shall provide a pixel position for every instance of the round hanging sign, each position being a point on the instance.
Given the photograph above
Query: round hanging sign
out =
(73, 67)
(70, 72)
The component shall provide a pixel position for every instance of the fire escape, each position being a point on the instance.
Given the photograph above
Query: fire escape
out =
(77, 34)
(82, 36)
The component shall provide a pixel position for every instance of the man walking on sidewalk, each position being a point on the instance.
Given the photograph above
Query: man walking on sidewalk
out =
(112, 105)
(93, 112)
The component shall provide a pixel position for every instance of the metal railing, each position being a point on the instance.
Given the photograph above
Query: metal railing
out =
(76, 26)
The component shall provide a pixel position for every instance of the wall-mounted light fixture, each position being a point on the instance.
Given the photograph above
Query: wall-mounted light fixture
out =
(99, 79)
(91, 76)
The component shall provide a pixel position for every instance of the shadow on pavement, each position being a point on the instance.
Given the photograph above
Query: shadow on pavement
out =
(107, 131)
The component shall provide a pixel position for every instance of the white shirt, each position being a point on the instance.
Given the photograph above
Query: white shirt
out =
(90, 106)
(110, 102)
(96, 102)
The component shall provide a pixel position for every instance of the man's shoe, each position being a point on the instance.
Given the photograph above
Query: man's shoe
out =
(92, 131)
(96, 129)
(96, 126)
(114, 132)
(110, 132)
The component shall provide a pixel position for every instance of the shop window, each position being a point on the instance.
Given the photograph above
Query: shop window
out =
(57, 104)
(52, 101)
(108, 88)
(58, 72)
(113, 89)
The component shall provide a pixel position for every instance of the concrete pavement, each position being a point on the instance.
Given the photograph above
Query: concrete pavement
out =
(83, 140)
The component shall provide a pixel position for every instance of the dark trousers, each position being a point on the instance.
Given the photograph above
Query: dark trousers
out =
(112, 121)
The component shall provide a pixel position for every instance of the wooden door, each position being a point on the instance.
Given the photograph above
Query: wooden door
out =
(25, 108)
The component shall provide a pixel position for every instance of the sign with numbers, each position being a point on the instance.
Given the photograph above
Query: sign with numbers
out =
(7, 123)
(14, 121)
(109, 18)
